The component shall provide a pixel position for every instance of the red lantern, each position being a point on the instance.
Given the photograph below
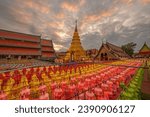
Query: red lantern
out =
(80, 86)
(3, 96)
(72, 90)
(58, 93)
(89, 95)
(44, 97)
(98, 91)
(25, 94)
(53, 85)
(82, 96)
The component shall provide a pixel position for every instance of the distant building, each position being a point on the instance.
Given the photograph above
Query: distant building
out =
(60, 57)
(91, 53)
(144, 52)
(24, 46)
(47, 50)
(110, 51)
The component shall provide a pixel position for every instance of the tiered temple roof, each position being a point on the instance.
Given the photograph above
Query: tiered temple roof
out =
(145, 49)
(18, 36)
(76, 51)
(47, 48)
(112, 51)
(18, 51)
(143, 52)
(116, 50)
(15, 43)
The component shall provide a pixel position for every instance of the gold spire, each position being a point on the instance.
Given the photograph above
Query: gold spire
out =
(76, 29)
(76, 51)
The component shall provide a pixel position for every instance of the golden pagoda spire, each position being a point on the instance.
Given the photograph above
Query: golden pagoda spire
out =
(76, 51)
(76, 29)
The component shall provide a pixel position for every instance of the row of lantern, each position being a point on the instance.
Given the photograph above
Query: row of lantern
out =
(103, 85)
(18, 75)
(16, 80)
(104, 76)
(15, 64)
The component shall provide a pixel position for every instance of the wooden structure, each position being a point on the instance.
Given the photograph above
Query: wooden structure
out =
(144, 52)
(110, 51)
(47, 49)
(23, 46)
(91, 53)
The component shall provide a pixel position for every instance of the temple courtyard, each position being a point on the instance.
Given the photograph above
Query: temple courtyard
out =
(122, 79)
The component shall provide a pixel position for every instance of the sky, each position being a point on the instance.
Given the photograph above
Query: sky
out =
(116, 21)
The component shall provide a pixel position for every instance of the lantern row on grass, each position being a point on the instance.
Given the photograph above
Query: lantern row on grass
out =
(79, 81)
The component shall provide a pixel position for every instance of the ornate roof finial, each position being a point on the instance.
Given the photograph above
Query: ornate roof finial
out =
(104, 41)
(76, 29)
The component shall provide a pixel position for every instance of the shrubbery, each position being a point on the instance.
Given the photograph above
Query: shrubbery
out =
(133, 90)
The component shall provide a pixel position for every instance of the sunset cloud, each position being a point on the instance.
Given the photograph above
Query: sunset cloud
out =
(102, 14)
(146, 1)
(35, 6)
(69, 6)
(128, 1)
(118, 21)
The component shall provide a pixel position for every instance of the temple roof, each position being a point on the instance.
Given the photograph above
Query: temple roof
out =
(145, 49)
(45, 42)
(113, 49)
(19, 36)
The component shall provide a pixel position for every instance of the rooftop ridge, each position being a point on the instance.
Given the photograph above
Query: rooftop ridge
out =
(20, 33)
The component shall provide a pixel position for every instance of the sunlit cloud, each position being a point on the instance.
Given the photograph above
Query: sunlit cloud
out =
(60, 16)
(58, 47)
(129, 2)
(69, 6)
(118, 21)
(36, 5)
(62, 35)
(145, 1)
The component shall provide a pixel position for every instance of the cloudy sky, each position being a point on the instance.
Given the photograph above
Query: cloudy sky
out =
(118, 21)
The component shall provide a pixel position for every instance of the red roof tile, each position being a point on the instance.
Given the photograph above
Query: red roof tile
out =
(19, 36)
(18, 51)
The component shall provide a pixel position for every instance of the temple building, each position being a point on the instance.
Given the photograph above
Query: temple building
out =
(60, 57)
(76, 51)
(91, 53)
(15, 45)
(144, 52)
(47, 49)
(110, 51)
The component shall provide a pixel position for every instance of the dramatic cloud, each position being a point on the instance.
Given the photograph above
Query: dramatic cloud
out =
(118, 21)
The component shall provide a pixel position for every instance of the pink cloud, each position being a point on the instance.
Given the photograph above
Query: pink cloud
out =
(145, 1)
(38, 6)
(69, 6)
(95, 17)
(60, 15)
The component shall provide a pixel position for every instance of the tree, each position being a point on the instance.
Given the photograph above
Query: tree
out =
(129, 48)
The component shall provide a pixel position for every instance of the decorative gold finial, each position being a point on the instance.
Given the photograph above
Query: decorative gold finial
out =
(76, 29)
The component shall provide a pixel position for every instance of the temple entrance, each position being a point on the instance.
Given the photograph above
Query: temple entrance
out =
(72, 56)
(23, 57)
(104, 57)
(3, 56)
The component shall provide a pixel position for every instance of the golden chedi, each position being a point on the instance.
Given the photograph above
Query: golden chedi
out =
(76, 51)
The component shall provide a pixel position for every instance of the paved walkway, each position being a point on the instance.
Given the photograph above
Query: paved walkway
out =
(145, 88)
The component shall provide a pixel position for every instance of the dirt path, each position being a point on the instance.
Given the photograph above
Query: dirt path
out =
(145, 88)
